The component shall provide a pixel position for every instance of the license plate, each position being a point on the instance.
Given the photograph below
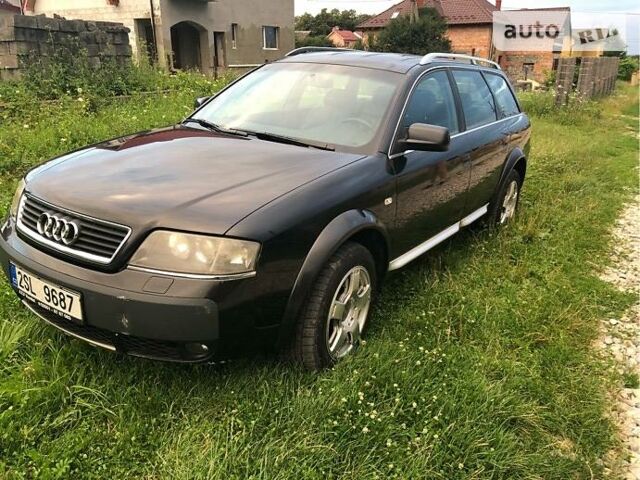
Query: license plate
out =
(47, 295)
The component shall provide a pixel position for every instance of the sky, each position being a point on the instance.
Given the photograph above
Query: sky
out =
(629, 7)
(376, 6)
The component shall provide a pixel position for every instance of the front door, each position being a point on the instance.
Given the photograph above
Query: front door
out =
(431, 186)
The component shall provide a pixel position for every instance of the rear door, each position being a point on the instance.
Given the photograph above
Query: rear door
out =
(486, 139)
(431, 186)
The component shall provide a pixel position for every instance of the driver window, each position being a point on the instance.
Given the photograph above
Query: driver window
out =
(432, 102)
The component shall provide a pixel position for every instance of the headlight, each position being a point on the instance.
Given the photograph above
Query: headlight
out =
(13, 211)
(196, 254)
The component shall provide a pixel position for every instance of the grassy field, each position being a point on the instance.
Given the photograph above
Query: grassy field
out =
(478, 362)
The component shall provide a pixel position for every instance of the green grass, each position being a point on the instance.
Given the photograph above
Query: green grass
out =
(631, 380)
(478, 362)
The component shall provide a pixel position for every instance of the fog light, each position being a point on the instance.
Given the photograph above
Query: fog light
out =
(196, 350)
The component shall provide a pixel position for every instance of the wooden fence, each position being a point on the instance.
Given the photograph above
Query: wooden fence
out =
(596, 76)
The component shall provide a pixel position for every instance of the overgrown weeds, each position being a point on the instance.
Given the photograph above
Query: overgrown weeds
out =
(577, 112)
(68, 74)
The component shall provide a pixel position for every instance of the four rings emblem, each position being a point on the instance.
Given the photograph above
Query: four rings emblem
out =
(58, 228)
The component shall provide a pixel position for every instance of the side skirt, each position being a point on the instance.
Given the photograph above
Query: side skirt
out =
(424, 247)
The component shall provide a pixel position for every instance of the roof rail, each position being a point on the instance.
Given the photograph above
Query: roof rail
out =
(433, 57)
(303, 50)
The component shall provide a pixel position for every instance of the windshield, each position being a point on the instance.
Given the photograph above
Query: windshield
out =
(322, 104)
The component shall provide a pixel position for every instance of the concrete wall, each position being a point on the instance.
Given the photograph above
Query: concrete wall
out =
(218, 17)
(207, 17)
(98, 10)
(23, 37)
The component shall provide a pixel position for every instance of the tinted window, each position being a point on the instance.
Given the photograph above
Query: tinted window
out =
(505, 101)
(477, 101)
(432, 102)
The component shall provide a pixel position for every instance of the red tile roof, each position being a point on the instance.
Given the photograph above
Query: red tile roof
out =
(455, 12)
(347, 35)
(7, 6)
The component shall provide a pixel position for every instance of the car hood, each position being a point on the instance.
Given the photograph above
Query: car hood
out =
(179, 178)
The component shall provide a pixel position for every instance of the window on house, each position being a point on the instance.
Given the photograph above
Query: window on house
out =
(234, 35)
(395, 14)
(270, 37)
(506, 103)
(475, 96)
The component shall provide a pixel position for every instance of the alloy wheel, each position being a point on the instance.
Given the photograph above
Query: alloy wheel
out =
(510, 202)
(348, 312)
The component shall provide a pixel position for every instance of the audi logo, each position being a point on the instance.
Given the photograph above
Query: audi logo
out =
(57, 228)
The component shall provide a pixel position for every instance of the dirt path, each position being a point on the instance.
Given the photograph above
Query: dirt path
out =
(622, 337)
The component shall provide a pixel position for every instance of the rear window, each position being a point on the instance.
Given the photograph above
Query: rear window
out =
(477, 102)
(505, 101)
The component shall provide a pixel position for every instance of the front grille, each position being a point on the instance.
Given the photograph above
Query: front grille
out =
(136, 346)
(98, 240)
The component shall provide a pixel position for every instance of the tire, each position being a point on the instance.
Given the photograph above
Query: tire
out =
(315, 334)
(504, 209)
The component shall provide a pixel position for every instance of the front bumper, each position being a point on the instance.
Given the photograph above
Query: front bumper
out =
(141, 314)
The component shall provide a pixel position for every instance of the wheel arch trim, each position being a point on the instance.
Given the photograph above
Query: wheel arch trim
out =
(335, 234)
(515, 156)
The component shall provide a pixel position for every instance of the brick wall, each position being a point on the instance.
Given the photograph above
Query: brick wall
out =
(538, 64)
(471, 39)
(23, 37)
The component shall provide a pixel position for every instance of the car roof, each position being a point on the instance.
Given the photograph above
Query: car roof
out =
(393, 62)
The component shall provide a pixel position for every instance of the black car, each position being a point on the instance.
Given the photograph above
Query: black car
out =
(272, 214)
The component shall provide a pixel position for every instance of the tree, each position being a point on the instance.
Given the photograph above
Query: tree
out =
(322, 23)
(420, 36)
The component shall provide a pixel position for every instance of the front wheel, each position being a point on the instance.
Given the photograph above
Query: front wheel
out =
(336, 312)
(503, 211)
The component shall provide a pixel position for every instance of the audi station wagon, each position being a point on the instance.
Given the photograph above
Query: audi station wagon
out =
(270, 217)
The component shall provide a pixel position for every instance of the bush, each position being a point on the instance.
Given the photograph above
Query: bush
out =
(549, 79)
(628, 66)
(317, 41)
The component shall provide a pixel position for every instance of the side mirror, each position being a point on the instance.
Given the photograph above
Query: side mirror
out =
(428, 138)
(200, 101)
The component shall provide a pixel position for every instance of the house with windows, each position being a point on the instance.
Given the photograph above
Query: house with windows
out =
(534, 65)
(470, 22)
(343, 38)
(205, 35)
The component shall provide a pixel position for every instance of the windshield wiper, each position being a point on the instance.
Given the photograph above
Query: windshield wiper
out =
(216, 128)
(272, 137)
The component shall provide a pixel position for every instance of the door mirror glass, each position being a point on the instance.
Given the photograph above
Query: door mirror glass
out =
(428, 138)
(200, 101)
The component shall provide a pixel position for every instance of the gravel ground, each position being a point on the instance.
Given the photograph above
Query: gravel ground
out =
(622, 336)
